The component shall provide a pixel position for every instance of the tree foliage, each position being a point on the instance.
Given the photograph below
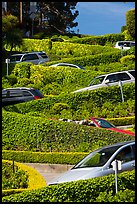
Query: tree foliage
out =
(59, 16)
(11, 33)
(130, 22)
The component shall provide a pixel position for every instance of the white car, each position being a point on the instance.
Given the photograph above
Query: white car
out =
(111, 79)
(34, 57)
(67, 64)
(100, 163)
(125, 45)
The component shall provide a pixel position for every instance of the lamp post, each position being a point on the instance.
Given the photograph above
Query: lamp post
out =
(120, 84)
(33, 15)
(116, 166)
(20, 12)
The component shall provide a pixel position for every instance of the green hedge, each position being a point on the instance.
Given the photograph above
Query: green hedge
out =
(34, 181)
(122, 121)
(44, 157)
(91, 60)
(100, 189)
(103, 102)
(13, 177)
(100, 40)
(24, 132)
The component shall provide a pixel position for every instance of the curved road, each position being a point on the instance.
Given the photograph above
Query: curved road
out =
(49, 171)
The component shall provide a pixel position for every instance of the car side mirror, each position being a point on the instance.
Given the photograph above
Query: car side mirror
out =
(107, 81)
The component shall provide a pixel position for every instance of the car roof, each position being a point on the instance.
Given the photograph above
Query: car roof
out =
(115, 73)
(19, 88)
(119, 144)
(64, 63)
(126, 41)
(28, 53)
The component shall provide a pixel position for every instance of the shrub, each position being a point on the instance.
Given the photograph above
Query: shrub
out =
(22, 70)
(13, 178)
(100, 40)
(58, 107)
(88, 190)
(128, 58)
(12, 79)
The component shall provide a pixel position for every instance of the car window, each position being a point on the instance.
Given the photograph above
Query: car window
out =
(132, 73)
(118, 77)
(16, 93)
(125, 155)
(15, 58)
(112, 78)
(132, 44)
(125, 44)
(37, 92)
(104, 123)
(43, 55)
(123, 76)
(97, 80)
(30, 57)
(27, 93)
(4, 94)
(133, 149)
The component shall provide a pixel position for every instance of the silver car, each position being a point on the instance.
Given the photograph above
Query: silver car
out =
(110, 80)
(34, 57)
(99, 163)
(67, 65)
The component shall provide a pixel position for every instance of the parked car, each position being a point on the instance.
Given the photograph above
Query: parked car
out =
(99, 163)
(125, 45)
(67, 65)
(57, 40)
(34, 57)
(11, 96)
(110, 80)
(102, 123)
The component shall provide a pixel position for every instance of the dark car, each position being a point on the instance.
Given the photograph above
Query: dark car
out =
(11, 96)
(57, 40)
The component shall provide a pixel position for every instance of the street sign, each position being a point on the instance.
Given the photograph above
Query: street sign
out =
(118, 165)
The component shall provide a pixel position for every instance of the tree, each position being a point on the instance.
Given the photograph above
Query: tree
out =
(58, 16)
(130, 22)
(11, 33)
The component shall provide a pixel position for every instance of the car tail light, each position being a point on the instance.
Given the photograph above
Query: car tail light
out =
(36, 97)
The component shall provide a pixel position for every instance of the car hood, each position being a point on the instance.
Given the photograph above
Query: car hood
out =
(122, 131)
(76, 174)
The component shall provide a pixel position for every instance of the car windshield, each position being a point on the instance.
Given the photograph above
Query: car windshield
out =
(97, 158)
(132, 44)
(103, 123)
(132, 73)
(37, 92)
(15, 58)
(97, 80)
(126, 44)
